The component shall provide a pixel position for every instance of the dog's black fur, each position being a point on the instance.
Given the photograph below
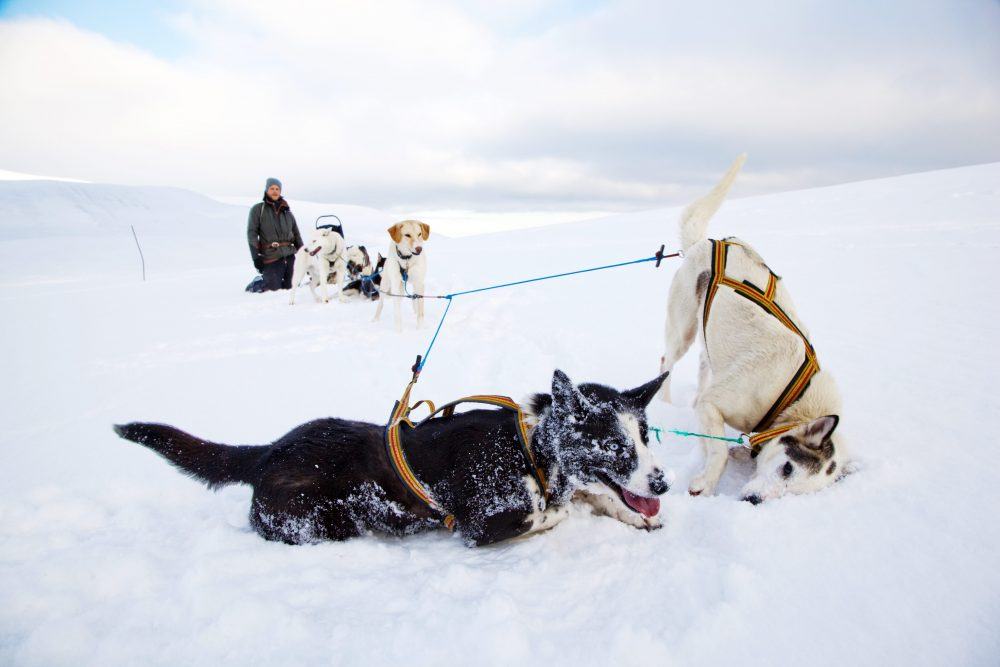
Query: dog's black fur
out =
(331, 479)
(359, 282)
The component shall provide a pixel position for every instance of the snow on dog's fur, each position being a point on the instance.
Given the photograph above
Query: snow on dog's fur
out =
(406, 259)
(747, 359)
(331, 478)
(323, 259)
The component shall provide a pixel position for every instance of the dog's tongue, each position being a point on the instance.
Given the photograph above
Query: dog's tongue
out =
(644, 506)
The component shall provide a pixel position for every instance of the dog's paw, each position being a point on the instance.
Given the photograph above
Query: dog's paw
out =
(702, 486)
(652, 523)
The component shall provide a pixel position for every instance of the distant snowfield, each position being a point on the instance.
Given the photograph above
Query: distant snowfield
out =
(108, 556)
(447, 222)
(6, 175)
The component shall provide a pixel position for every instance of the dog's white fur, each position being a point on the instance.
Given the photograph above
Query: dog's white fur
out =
(747, 359)
(405, 253)
(323, 259)
(602, 500)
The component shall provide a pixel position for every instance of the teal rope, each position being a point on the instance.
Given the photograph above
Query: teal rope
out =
(423, 360)
(554, 275)
(691, 434)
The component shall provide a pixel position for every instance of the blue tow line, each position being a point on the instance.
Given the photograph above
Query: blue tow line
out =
(422, 360)
(691, 434)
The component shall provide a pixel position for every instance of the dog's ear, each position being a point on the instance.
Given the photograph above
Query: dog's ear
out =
(396, 232)
(819, 430)
(566, 398)
(642, 395)
(539, 403)
(425, 229)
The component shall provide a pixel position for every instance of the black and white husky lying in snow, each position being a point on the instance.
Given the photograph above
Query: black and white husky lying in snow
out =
(331, 479)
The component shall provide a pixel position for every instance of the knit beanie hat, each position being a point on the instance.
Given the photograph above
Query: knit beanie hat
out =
(273, 181)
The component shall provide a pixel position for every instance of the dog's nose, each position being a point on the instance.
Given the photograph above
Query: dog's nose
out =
(658, 483)
(419, 249)
(753, 499)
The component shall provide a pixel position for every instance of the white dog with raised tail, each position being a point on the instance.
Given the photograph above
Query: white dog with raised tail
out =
(759, 373)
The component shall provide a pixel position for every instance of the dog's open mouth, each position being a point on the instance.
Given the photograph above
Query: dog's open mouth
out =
(648, 507)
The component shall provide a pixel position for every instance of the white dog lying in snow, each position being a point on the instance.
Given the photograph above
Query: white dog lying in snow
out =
(405, 269)
(323, 259)
(758, 371)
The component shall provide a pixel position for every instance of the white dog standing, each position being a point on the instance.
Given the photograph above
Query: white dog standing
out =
(405, 269)
(323, 259)
(758, 370)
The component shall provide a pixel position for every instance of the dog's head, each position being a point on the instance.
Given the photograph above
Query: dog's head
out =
(808, 458)
(324, 241)
(410, 236)
(358, 262)
(600, 437)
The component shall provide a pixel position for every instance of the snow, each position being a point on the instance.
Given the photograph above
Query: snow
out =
(6, 175)
(109, 556)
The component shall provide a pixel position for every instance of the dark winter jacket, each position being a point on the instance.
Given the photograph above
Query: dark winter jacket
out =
(272, 222)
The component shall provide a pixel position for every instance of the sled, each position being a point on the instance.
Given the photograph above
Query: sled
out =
(338, 227)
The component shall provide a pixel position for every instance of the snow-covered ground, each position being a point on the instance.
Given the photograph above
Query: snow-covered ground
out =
(108, 556)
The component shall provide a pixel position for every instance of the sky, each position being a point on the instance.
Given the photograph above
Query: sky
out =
(496, 106)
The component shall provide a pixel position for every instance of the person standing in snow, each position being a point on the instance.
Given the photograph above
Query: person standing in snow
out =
(274, 238)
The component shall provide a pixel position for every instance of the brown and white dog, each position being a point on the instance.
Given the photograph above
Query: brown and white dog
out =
(747, 359)
(405, 269)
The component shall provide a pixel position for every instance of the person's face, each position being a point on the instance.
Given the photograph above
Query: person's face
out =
(274, 192)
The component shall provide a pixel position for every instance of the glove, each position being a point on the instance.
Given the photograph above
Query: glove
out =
(258, 263)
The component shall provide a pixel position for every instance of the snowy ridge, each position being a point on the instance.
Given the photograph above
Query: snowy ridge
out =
(109, 556)
(59, 208)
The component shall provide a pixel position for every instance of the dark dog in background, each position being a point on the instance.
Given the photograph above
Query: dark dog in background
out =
(363, 278)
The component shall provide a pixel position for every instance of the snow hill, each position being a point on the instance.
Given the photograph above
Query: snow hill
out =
(190, 230)
(108, 556)
(57, 208)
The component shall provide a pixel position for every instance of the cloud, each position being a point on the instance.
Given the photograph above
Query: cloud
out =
(422, 104)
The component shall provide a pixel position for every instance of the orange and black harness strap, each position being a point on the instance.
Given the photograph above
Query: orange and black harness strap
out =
(394, 442)
(765, 299)
(755, 440)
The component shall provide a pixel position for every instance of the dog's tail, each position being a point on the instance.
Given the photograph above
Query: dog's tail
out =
(695, 217)
(215, 465)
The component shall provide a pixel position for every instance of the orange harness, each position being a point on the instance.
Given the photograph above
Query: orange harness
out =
(765, 299)
(394, 442)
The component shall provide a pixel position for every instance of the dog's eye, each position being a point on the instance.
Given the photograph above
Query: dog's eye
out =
(787, 469)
